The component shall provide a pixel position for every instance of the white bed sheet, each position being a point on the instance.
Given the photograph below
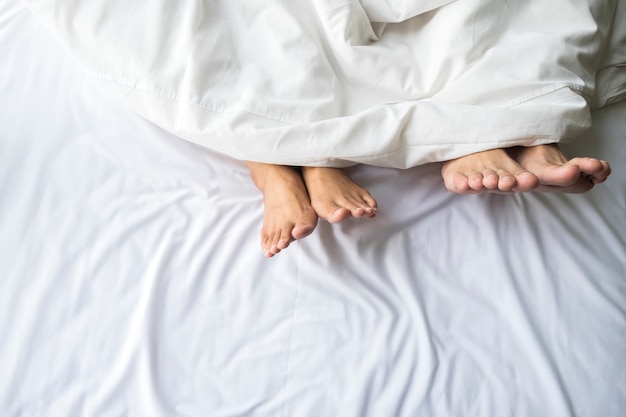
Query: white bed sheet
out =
(133, 283)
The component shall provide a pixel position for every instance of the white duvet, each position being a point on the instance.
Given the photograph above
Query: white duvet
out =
(321, 82)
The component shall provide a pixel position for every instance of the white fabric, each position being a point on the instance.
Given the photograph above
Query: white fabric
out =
(317, 83)
(611, 77)
(133, 283)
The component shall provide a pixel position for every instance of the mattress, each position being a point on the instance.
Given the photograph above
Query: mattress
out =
(133, 283)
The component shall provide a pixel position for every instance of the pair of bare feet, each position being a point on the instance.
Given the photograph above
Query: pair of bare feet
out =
(294, 198)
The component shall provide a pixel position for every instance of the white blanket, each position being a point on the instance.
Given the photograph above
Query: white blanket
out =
(323, 82)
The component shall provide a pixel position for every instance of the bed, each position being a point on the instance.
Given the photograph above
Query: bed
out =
(133, 283)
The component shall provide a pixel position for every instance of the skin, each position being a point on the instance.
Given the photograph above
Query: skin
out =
(288, 213)
(541, 168)
(294, 199)
(335, 197)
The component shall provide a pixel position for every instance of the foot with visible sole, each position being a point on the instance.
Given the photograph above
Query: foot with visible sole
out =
(489, 171)
(556, 173)
(520, 169)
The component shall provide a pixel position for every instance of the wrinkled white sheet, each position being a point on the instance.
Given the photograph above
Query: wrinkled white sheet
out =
(132, 282)
(323, 82)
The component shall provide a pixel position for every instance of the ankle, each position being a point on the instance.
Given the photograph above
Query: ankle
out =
(264, 174)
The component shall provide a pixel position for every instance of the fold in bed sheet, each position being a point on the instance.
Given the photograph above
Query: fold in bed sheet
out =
(321, 82)
(133, 283)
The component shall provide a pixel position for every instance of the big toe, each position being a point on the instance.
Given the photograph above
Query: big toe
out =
(601, 175)
(304, 228)
(337, 215)
(525, 181)
(560, 175)
(330, 211)
(597, 169)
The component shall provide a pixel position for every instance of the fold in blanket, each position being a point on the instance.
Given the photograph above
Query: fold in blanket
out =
(333, 83)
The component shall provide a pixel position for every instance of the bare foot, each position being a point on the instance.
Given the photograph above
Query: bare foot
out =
(488, 171)
(335, 197)
(558, 174)
(288, 214)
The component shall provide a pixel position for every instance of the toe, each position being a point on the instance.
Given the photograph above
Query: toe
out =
(596, 169)
(265, 244)
(513, 177)
(586, 165)
(284, 241)
(506, 181)
(357, 212)
(458, 184)
(490, 179)
(355, 204)
(367, 203)
(370, 201)
(475, 181)
(563, 175)
(304, 227)
(525, 181)
(285, 237)
(274, 249)
(267, 250)
(332, 211)
(338, 215)
(370, 212)
(273, 242)
(602, 174)
(453, 178)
